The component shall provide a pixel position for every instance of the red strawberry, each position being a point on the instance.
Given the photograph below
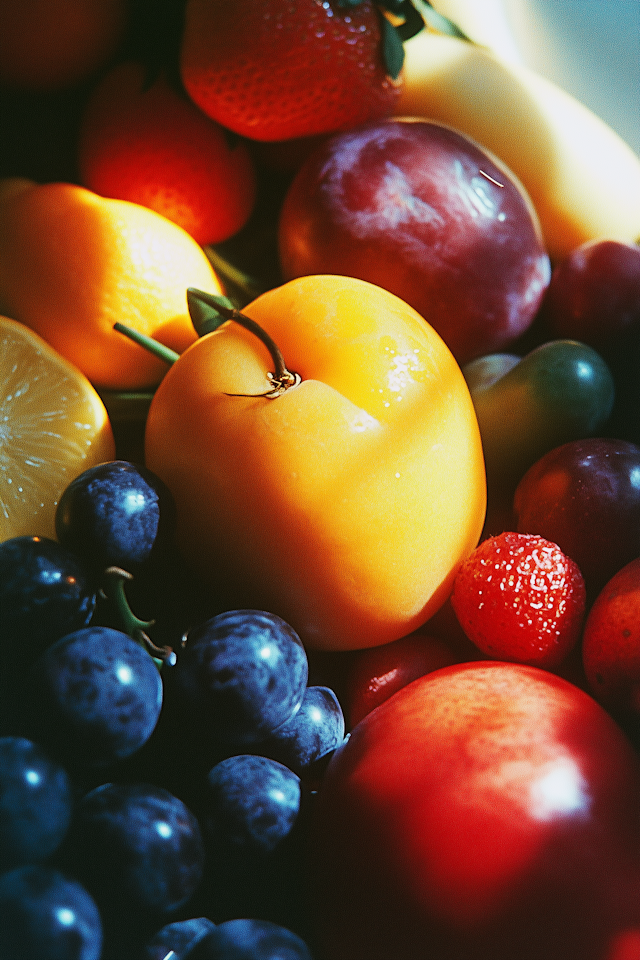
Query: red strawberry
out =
(271, 70)
(518, 597)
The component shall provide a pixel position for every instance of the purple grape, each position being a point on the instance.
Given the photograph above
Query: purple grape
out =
(247, 939)
(251, 806)
(45, 593)
(116, 514)
(137, 847)
(45, 915)
(175, 940)
(241, 675)
(315, 731)
(94, 697)
(35, 803)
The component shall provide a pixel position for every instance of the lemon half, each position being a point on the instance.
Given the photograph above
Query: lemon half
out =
(53, 425)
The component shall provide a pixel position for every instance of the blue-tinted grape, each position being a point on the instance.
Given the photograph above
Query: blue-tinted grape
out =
(137, 847)
(251, 806)
(116, 514)
(177, 938)
(247, 939)
(242, 674)
(35, 803)
(45, 593)
(94, 697)
(45, 915)
(317, 729)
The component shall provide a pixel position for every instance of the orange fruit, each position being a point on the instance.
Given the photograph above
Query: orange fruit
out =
(152, 146)
(72, 264)
(53, 44)
(53, 425)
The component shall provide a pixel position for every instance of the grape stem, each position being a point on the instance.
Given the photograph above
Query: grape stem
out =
(114, 589)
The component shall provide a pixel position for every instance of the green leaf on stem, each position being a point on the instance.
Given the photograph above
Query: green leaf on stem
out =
(392, 49)
(204, 313)
(438, 22)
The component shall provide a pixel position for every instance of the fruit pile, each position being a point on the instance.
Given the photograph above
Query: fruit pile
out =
(319, 490)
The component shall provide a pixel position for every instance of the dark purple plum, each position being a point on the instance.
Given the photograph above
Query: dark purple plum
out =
(594, 294)
(423, 211)
(585, 496)
(594, 297)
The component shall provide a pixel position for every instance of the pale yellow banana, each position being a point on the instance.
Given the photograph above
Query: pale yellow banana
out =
(583, 179)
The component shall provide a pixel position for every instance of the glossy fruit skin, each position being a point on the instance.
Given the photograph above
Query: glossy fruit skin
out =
(560, 391)
(487, 811)
(379, 672)
(311, 735)
(594, 296)
(519, 598)
(611, 642)
(271, 72)
(241, 675)
(36, 802)
(180, 936)
(138, 848)
(116, 514)
(93, 261)
(584, 496)
(36, 905)
(93, 697)
(150, 145)
(251, 806)
(594, 293)
(532, 124)
(396, 499)
(245, 939)
(424, 212)
(46, 592)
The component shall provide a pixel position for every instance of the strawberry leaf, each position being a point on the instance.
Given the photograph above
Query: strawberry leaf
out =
(412, 21)
(392, 49)
(436, 21)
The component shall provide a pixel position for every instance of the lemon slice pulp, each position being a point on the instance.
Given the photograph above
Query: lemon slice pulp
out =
(53, 425)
